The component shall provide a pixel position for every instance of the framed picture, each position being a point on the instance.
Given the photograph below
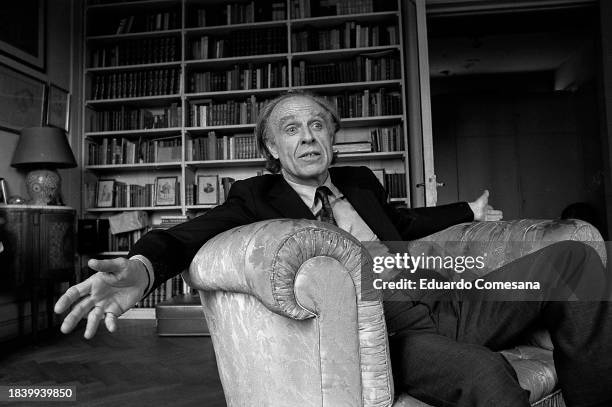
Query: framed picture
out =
(104, 193)
(23, 31)
(22, 100)
(58, 108)
(165, 191)
(208, 189)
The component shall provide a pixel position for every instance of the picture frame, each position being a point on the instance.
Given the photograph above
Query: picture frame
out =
(105, 191)
(165, 191)
(22, 100)
(208, 190)
(58, 108)
(23, 36)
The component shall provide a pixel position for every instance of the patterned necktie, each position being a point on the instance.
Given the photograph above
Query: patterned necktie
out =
(325, 214)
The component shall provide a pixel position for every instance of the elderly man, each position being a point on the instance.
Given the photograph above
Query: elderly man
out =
(443, 353)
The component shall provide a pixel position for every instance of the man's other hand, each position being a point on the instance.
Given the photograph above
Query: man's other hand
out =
(116, 287)
(483, 211)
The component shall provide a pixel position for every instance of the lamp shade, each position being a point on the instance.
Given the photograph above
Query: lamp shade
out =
(43, 147)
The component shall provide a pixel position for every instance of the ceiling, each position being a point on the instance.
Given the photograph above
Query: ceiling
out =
(504, 42)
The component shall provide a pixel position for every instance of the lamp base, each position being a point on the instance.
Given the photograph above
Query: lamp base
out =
(43, 186)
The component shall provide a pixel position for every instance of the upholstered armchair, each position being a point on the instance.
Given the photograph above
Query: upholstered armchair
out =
(282, 300)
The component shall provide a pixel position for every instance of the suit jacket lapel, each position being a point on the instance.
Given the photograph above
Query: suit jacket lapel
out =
(287, 202)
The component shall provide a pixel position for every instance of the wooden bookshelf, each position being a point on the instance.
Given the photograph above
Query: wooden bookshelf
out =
(126, 39)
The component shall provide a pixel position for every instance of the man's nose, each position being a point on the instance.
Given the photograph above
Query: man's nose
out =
(307, 135)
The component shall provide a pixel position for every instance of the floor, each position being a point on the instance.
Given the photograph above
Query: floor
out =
(132, 367)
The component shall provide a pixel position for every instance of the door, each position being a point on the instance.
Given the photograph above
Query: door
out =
(422, 178)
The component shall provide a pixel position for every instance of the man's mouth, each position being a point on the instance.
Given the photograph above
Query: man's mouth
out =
(309, 154)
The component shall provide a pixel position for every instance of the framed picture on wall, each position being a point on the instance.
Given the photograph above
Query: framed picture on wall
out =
(22, 36)
(22, 100)
(58, 108)
(208, 189)
(104, 193)
(165, 191)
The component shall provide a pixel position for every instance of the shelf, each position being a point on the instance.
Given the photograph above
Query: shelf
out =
(370, 121)
(142, 208)
(199, 207)
(344, 53)
(231, 94)
(134, 35)
(332, 87)
(140, 4)
(230, 61)
(146, 133)
(229, 28)
(119, 68)
(134, 167)
(201, 131)
(330, 21)
(251, 162)
(148, 101)
(387, 155)
(112, 254)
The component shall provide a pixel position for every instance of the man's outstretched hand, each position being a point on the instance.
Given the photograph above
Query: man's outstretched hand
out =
(483, 211)
(116, 287)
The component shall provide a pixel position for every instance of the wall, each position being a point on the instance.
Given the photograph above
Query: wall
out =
(536, 152)
(58, 71)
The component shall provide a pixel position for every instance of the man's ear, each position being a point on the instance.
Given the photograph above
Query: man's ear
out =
(272, 148)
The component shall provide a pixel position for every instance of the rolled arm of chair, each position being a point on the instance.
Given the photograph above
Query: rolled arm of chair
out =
(262, 259)
(505, 241)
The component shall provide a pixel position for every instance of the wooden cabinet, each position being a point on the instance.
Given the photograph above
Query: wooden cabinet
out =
(38, 254)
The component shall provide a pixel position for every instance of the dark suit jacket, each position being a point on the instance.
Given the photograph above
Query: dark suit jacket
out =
(270, 197)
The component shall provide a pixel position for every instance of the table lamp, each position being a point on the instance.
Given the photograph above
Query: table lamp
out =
(42, 150)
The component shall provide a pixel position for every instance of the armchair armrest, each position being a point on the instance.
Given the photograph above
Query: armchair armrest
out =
(284, 297)
(505, 241)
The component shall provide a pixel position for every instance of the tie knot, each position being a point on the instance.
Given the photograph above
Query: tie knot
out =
(323, 192)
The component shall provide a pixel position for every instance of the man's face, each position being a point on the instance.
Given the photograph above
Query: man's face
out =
(300, 135)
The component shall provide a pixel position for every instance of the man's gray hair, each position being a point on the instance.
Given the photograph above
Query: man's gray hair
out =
(261, 129)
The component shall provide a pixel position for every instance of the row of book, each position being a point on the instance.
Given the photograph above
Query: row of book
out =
(135, 52)
(209, 190)
(348, 35)
(226, 147)
(358, 69)
(367, 103)
(239, 13)
(370, 139)
(241, 77)
(112, 151)
(138, 22)
(320, 8)
(204, 113)
(257, 41)
(171, 288)
(395, 184)
(150, 82)
(129, 118)
(123, 242)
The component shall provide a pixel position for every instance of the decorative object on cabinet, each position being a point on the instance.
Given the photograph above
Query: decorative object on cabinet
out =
(43, 150)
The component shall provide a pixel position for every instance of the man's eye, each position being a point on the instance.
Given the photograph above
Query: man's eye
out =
(291, 130)
(317, 125)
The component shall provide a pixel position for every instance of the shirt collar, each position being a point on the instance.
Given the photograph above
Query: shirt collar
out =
(307, 192)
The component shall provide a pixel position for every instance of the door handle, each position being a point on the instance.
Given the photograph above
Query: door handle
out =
(438, 184)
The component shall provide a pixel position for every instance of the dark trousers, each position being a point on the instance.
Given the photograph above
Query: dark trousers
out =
(450, 358)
